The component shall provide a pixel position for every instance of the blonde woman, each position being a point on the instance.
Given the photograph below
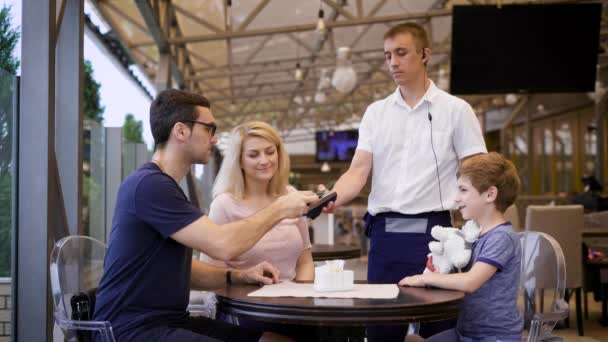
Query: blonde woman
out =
(253, 174)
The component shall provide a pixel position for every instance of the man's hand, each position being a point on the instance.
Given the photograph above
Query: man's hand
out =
(331, 206)
(417, 281)
(262, 273)
(295, 204)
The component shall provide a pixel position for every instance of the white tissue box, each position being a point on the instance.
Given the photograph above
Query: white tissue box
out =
(333, 281)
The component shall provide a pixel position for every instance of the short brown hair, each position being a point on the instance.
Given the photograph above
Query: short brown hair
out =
(170, 107)
(492, 169)
(417, 31)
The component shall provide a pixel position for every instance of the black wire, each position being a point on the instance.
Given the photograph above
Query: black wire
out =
(436, 162)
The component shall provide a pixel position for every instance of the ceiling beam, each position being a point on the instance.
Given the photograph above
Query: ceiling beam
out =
(254, 13)
(303, 27)
(159, 37)
(197, 19)
(271, 70)
(280, 94)
(312, 85)
(339, 9)
(299, 41)
(320, 41)
(125, 16)
(274, 63)
(376, 8)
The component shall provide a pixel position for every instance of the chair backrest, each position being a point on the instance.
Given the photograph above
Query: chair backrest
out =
(542, 283)
(76, 267)
(564, 223)
(597, 219)
(512, 215)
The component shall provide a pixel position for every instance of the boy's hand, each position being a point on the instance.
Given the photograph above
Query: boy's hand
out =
(263, 273)
(417, 281)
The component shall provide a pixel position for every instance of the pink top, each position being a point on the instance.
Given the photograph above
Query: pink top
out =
(281, 246)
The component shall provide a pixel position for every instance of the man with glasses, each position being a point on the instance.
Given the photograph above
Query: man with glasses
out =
(149, 270)
(211, 126)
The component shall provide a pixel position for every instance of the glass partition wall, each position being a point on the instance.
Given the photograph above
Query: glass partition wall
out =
(562, 151)
(8, 124)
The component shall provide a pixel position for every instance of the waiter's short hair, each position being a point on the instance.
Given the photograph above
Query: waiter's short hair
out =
(417, 31)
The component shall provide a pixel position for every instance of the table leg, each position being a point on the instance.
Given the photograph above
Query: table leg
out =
(604, 319)
(341, 334)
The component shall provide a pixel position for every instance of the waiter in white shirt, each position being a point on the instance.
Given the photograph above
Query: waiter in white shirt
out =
(413, 140)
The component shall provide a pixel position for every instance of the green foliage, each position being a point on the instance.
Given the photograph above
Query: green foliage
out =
(92, 102)
(9, 37)
(5, 225)
(93, 110)
(132, 130)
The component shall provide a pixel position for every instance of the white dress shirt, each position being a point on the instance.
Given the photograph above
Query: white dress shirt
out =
(404, 172)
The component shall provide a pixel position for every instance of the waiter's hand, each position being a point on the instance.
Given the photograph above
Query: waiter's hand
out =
(263, 273)
(331, 206)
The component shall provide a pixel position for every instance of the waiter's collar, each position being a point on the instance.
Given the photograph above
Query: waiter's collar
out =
(429, 96)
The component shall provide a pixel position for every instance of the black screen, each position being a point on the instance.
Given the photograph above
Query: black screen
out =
(336, 145)
(524, 48)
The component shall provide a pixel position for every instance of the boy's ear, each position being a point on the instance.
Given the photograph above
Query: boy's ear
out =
(491, 194)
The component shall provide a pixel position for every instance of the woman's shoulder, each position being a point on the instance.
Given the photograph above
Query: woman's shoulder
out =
(226, 205)
(224, 199)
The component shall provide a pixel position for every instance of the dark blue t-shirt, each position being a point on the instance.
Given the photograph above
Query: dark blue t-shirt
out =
(146, 280)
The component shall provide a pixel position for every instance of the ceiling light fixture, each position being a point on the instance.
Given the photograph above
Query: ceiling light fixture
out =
(325, 167)
(298, 75)
(228, 14)
(511, 99)
(320, 97)
(321, 27)
(345, 76)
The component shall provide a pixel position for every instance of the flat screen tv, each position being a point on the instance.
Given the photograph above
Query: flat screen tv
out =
(336, 145)
(551, 48)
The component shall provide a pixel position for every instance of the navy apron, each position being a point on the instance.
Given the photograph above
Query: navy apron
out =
(399, 244)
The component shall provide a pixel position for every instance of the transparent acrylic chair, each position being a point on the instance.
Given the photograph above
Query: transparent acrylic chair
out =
(202, 303)
(76, 267)
(543, 278)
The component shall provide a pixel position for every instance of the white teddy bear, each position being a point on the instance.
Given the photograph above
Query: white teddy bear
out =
(453, 248)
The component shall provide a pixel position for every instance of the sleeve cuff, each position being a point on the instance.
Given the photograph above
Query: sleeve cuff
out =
(364, 148)
(491, 262)
(186, 222)
(472, 151)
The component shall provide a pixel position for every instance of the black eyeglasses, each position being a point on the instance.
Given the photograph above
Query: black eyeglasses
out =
(211, 126)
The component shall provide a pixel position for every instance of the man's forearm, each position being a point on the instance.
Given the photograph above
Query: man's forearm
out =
(235, 238)
(206, 277)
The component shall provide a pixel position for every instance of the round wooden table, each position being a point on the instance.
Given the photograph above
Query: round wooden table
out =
(322, 252)
(411, 305)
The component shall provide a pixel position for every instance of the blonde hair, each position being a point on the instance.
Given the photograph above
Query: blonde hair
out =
(230, 178)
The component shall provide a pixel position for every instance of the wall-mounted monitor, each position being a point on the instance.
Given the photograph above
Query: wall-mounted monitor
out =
(550, 48)
(336, 145)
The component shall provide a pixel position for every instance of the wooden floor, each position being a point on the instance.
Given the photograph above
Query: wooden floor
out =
(593, 330)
